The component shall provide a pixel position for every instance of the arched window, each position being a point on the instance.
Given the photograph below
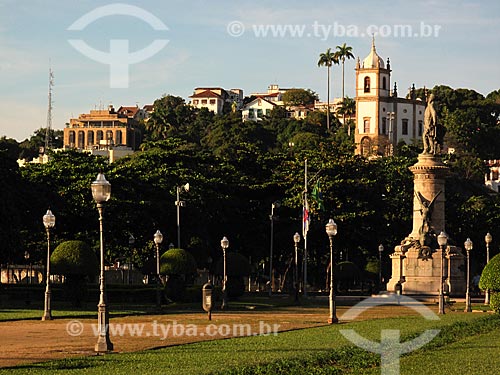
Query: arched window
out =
(365, 146)
(384, 83)
(81, 139)
(90, 138)
(118, 136)
(367, 84)
(99, 136)
(72, 138)
(109, 136)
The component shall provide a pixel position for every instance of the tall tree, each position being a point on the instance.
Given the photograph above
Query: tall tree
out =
(343, 52)
(327, 59)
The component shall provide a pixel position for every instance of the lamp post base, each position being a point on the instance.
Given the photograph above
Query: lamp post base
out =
(47, 315)
(103, 344)
(333, 320)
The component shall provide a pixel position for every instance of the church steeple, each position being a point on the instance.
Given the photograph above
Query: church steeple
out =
(373, 60)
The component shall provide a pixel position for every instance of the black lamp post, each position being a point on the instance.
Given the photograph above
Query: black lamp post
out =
(224, 244)
(296, 240)
(468, 247)
(158, 239)
(331, 231)
(49, 221)
(101, 192)
(131, 242)
(442, 241)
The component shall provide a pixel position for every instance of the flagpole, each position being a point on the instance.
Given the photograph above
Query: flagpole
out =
(305, 232)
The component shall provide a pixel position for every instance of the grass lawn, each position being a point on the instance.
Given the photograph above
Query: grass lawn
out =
(212, 356)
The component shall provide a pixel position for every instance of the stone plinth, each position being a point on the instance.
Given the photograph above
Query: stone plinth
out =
(420, 274)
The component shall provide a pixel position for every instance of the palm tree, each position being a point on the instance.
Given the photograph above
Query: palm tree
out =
(344, 52)
(327, 59)
(347, 109)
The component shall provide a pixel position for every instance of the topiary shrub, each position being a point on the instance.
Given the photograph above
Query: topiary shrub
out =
(180, 267)
(78, 263)
(237, 267)
(490, 279)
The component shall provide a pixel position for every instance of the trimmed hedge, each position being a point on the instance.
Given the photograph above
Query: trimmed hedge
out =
(74, 258)
(177, 262)
(490, 278)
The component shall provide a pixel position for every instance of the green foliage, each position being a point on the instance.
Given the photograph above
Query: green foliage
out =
(495, 301)
(490, 278)
(177, 262)
(74, 258)
(294, 97)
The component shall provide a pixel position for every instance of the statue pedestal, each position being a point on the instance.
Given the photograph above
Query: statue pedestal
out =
(416, 263)
(420, 272)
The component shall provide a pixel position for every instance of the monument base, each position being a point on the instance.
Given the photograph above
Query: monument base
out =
(417, 270)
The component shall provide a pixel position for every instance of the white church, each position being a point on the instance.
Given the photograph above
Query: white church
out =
(382, 118)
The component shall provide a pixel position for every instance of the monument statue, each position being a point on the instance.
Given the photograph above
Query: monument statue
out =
(426, 230)
(430, 136)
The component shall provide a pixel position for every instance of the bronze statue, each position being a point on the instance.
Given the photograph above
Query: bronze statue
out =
(430, 137)
(426, 207)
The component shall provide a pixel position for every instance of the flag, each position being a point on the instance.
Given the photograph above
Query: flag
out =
(317, 195)
(305, 219)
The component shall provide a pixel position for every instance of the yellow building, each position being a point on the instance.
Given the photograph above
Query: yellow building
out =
(102, 129)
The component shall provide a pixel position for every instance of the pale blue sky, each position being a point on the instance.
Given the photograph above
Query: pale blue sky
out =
(465, 51)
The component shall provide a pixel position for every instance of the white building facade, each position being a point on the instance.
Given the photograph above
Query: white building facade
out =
(382, 118)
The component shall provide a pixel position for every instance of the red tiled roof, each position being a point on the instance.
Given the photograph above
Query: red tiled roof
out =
(129, 111)
(206, 94)
(148, 107)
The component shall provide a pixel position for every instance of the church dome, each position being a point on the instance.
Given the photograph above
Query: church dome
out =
(373, 60)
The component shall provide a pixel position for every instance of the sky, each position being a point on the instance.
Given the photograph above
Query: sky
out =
(133, 52)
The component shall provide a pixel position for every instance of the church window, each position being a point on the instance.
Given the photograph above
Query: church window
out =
(420, 127)
(366, 125)
(384, 125)
(404, 126)
(367, 84)
(384, 83)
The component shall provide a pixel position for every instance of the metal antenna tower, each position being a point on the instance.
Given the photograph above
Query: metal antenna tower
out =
(48, 129)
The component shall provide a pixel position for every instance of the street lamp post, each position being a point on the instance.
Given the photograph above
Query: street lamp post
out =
(391, 116)
(272, 218)
(180, 204)
(468, 248)
(131, 242)
(158, 239)
(101, 192)
(28, 268)
(49, 221)
(488, 238)
(224, 243)
(296, 240)
(380, 251)
(331, 231)
(442, 241)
